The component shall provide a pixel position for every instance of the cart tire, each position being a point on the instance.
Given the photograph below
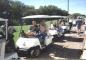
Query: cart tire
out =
(35, 52)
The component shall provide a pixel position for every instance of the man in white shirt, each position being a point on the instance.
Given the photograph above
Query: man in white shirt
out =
(70, 23)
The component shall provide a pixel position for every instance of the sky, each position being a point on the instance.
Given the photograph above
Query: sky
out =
(75, 6)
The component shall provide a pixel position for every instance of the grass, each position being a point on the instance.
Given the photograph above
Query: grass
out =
(17, 33)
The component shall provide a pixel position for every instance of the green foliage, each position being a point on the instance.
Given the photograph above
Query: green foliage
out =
(77, 14)
(4, 8)
(14, 10)
(51, 10)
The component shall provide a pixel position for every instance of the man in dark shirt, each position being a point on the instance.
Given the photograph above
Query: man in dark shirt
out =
(70, 23)
(79, 24)
(34, 28)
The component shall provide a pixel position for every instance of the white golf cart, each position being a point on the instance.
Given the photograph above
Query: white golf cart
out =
(32, 46)
(65, 27)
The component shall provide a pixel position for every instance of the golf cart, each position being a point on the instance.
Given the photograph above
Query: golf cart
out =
(58, 32)
(65, 27)
(31, 46)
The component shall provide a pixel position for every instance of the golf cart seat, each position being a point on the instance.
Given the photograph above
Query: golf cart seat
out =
(52, 32)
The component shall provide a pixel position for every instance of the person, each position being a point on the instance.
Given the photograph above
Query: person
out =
(70, 24)
(74, 22)
(42, 28)
(55, 26)
(43, 31)
(79, 24)
(51, 26)
(60, 27)
(34, 28)
(10, 40)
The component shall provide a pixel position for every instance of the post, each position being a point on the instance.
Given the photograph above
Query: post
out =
(68, 10)
(21, 27)
(68, 6)
(6, 29)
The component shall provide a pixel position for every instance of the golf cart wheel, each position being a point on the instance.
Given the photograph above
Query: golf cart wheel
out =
(35, 52)
(52, 41)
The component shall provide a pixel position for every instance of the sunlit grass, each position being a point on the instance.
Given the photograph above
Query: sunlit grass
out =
(18, 28)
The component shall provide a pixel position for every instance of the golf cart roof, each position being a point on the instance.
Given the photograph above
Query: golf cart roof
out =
(56, 16)
(42, 16)
(1, 19)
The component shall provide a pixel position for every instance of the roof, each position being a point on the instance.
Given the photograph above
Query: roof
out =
(1, 19)
(43, 16)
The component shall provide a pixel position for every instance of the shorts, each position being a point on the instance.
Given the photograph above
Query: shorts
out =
(78, 26)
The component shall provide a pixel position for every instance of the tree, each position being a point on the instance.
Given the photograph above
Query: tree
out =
(16, 11)
(29, 10)
(77, 14)
(51, 10)
(4, 8)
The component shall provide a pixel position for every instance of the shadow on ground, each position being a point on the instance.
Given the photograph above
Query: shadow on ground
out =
(73, 39)
(68, 38)
(59, 52)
